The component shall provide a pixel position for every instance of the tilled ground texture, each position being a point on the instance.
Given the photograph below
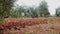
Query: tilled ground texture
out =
(52, 27)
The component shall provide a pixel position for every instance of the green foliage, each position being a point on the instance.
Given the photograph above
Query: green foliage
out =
(10, 33)
(24, 11)
(52, 24)
(27, 33)
(34, 13)
(58, 12)
(37, 26)
(43, 9)
(19, 10)
(13, 14)
(1, 20)
(28, 11)
(6, 6)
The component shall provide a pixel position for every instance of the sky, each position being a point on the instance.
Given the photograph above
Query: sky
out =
(52, 4)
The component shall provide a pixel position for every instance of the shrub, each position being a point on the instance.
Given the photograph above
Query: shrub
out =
(52, 24)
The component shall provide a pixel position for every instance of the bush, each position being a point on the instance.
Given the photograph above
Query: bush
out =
(52, 24)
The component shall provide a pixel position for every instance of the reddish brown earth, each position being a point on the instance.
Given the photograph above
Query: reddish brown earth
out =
(33, 28)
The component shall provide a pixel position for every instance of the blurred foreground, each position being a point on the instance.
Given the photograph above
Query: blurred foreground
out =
(30, 26)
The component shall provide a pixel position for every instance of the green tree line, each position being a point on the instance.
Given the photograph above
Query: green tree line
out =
(7, 10)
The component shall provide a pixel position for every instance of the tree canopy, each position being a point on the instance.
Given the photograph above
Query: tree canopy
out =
(43, 9)
(5, 7)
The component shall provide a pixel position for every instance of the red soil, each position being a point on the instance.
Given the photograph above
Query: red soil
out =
(30, 26)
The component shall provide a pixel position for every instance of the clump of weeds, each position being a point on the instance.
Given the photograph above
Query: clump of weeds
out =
(52, 24)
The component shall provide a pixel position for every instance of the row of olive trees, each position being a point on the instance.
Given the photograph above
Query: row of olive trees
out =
(40, 11)
(23, 11)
